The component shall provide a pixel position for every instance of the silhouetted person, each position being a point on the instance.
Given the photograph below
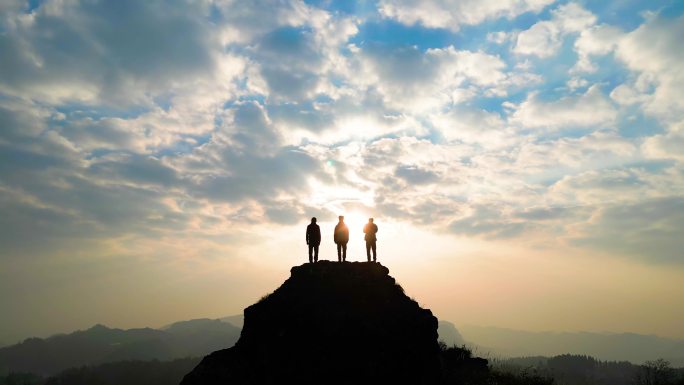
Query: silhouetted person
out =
(313, 239)
(341, 238)
(370, 229)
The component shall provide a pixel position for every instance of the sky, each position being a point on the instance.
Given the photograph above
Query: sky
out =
(523, 159)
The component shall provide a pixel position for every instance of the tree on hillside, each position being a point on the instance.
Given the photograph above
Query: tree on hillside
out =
(20, 379)
(656, 372)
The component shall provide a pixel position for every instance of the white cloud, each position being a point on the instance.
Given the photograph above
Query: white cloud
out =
(419, 81)
(552, 159)
(648, 230)
(615, 185)
(544, 38)
(572, 17)
(653, 52)
(57, 54)
(244, 23)
(595, 41)
(11, 6)
(591, 109)
(575, 83)
(626, 95)
(470, 125)
(481, 68)
(451, 14)
(499, 37)
(295, 63)
(666, 146)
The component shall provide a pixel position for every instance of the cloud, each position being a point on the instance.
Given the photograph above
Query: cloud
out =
(147, 119)
(597, 40)
(541, 213)
(544, 38)
(292, 51)
(555, 158)
(499, 37)
(407, 178)
(415, 175)
(221, 116)
(11, 6)
(141, 170)
(30, 229)
(73, 51)
(485, 128)
(257, 177)
(453, 14)
(290, 63)
(646, 230)
(28, 145)
(22, 121)
(154, 85)
(66, 197)
(252, 129)
(244, 24)
(572, 17)
(598, 187)
(488, 222)
(414, 80)
(651, 52)
(668, 146)
(590, 109)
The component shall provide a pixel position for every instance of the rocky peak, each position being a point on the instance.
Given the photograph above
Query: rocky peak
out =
(330, 323)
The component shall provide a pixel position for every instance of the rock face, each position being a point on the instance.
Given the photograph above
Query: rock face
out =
(330, 323)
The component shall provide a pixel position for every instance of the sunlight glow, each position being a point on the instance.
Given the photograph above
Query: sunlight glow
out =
(355, 222)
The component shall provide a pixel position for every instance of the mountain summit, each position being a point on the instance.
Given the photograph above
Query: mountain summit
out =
(330, 323)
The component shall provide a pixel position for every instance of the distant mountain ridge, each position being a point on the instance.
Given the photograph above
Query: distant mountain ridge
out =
(632, 347)
(101, 344)
(199, 337)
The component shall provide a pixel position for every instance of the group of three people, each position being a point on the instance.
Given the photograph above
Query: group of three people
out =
(341, 238)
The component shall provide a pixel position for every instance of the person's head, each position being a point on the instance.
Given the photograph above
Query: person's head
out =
(313, 220)
(341, 217)
(370, 220)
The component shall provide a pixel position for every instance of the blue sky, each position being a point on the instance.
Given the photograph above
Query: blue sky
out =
(165, 144)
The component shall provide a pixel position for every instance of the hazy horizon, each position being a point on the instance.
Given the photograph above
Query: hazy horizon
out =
(523, 159)
(459, 327)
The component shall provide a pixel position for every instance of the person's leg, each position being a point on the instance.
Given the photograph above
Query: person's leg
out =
(344, 252)
(339, 252)
(375, 254)
(310, 251)
(368, 247)
(316, 253)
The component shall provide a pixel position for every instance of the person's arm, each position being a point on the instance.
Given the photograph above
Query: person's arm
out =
(307, 235)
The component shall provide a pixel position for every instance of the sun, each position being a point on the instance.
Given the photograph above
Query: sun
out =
(355, 221)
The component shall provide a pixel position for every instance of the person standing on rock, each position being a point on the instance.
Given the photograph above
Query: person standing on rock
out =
(370, 229)
(341, 237)
(313, 239)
